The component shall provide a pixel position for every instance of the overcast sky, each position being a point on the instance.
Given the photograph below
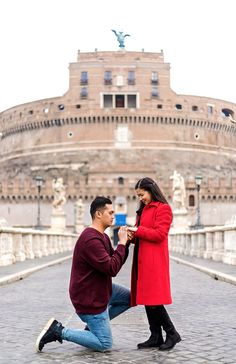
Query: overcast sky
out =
(39, 38)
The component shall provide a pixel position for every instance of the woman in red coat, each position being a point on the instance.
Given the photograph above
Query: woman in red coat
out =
(150, 282)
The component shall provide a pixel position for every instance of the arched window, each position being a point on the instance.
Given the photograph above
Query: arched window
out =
(120, 180)
(178, 107)
(191, 200)
(227, 112)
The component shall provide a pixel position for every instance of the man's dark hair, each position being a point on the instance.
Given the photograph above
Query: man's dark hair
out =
(99, 203)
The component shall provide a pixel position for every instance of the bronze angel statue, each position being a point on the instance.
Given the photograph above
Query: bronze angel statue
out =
(121, 38)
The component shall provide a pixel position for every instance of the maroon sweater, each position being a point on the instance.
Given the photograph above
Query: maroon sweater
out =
(94, 263)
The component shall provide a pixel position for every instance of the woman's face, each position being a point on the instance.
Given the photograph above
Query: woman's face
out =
(144, 196)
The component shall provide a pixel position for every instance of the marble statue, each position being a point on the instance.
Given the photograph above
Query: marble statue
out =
(179, 192)
(79, 216)
(59, 194)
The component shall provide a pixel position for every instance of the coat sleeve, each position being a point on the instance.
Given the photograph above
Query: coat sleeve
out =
(97, 256)
(161, 227)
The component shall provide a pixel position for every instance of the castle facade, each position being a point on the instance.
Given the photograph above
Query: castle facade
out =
(119, 121)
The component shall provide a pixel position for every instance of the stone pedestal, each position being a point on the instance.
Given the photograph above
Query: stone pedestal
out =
(229, 256)
(6, 249)
(58, 221)
(180, 219)
(79, 216)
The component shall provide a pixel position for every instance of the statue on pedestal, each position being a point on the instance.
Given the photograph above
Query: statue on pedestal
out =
(179, 192)
(58, 217)
(59, 194)
(180, 214)
(120, 38)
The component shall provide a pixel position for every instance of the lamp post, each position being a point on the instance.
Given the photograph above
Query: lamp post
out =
(39, 183)
(198, 181)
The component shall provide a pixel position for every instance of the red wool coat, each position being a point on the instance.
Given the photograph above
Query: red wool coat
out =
(150, 279)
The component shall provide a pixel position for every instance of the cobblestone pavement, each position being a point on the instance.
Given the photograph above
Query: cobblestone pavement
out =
(203, 312)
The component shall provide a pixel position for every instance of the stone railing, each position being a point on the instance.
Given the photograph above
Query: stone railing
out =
(216, 243)
(17, 245)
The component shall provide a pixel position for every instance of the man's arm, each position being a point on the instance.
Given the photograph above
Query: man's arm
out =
(98, 257)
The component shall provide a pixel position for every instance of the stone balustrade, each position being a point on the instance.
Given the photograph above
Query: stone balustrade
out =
(217, 243)
(16, 245)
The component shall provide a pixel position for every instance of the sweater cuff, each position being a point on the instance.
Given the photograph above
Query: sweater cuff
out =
(120, 247)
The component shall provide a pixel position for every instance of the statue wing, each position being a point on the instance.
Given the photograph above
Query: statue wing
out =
(126, 35)
(114, 31)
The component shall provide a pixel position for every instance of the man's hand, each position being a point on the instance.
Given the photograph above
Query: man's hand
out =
(122, 234)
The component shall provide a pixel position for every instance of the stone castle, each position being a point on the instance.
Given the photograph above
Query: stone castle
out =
(119, 121)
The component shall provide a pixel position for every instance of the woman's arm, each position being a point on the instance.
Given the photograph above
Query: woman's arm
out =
(161, 226)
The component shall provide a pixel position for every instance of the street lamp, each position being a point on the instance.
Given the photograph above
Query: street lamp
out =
(198, 181)
(39, 182)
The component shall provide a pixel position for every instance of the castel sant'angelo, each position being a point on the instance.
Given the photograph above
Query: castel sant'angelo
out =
(119, 121)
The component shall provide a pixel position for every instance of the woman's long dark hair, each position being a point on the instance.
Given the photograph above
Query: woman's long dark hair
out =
(148, 184)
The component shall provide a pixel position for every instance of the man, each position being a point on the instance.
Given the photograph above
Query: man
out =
(95, 299)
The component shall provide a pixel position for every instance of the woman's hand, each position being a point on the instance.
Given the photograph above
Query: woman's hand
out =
(130, 235)
(132, 229)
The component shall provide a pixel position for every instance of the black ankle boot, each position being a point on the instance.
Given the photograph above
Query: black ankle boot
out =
(171, 341)
(154, 341)
(172, 336)
(51, 332)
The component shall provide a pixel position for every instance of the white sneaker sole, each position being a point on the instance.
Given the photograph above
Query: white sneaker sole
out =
(45, 329)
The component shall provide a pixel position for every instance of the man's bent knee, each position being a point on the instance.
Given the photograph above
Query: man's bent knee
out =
(106, 345)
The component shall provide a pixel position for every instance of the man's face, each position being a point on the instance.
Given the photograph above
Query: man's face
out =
(106, 215)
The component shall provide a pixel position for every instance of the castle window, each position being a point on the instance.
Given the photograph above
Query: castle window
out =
(107, 101)
(131, 100)
(84, 78)
(84, 93)
(120, 180)
(154, 79)
(178, 107)
(107, 78)
(70, 134)
(159, 106)
(154, 93)
(195, 108)
(210, 109)
(120, 100)
(61, 107)
(191, 200)
(131, 78)
(227, 112)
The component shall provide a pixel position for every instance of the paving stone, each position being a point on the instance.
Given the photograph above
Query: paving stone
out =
(203, 312)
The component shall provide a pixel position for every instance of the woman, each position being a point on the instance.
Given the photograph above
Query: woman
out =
(150, 283)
